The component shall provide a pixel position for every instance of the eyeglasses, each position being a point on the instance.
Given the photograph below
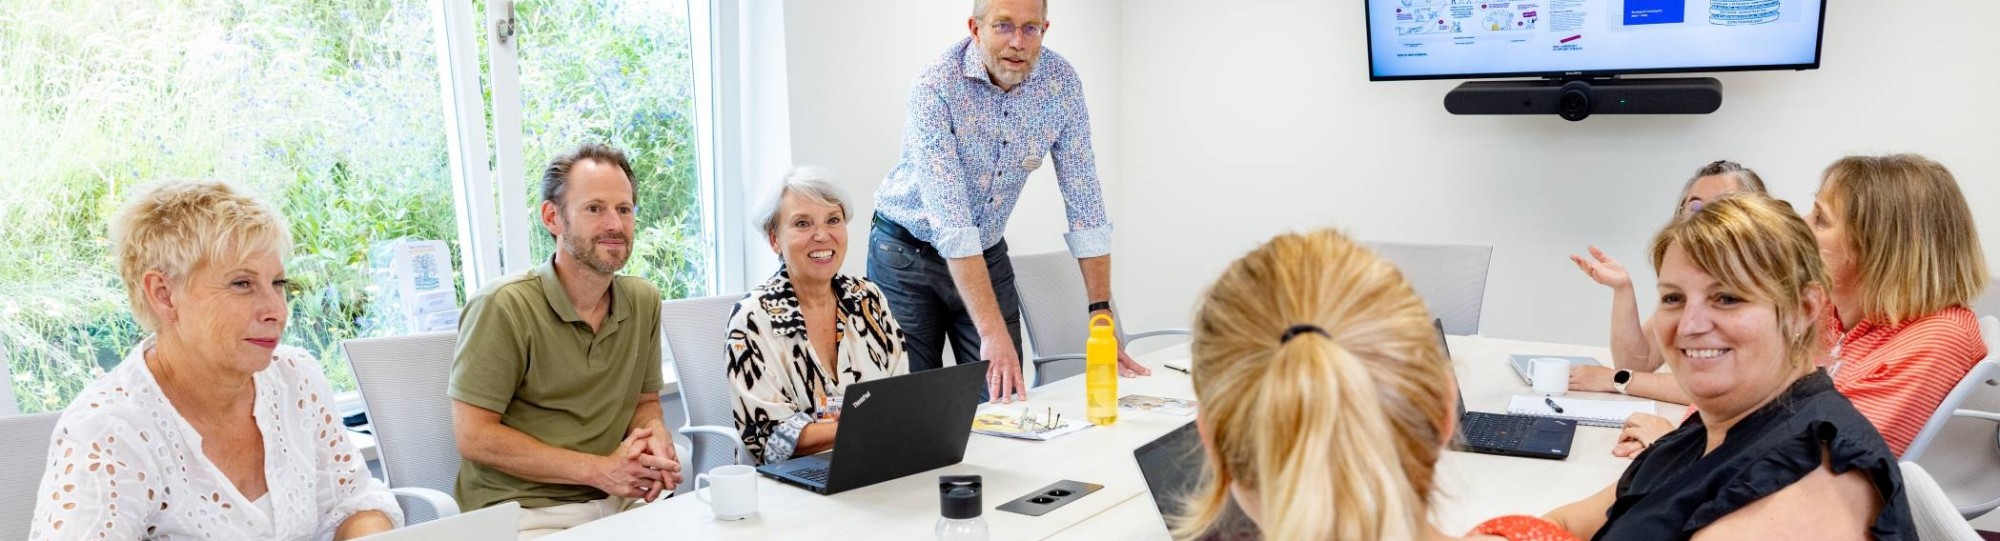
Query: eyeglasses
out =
(1030, 30)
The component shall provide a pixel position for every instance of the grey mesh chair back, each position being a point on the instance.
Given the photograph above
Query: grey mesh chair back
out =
(1055, 310)
(24, 455)
(1450, 278)
(695, 330)
(1964, 455)
(1931, 509)
(1988, 303)
(1054, 304)
(403, 380)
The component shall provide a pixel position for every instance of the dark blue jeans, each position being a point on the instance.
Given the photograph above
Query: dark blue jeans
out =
(923, 297)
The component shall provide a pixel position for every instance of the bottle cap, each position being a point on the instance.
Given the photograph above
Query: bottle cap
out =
(958, 496)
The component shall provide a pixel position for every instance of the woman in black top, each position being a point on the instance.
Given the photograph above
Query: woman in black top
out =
(1774, 452)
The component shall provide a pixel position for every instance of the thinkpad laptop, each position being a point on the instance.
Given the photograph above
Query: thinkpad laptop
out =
(1502, 434)
(893, 427)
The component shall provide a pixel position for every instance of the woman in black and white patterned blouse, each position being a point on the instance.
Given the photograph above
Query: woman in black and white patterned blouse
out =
(803, 336)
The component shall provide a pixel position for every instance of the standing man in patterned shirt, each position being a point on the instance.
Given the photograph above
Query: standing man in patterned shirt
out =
(981, 119)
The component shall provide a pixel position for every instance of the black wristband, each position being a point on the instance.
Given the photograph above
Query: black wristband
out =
(1100, 305)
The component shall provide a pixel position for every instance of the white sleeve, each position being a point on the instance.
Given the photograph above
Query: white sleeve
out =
(98, 484)
(342, 485)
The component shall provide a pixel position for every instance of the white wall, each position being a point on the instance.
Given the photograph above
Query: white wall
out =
(1217, 128)
(1244, 122)
(851, 65)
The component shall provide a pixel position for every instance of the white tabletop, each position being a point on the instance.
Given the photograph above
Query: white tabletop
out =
(1472, 487)
(907, 508)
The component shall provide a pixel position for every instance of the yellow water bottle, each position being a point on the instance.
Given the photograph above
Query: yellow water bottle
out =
(1100, 361)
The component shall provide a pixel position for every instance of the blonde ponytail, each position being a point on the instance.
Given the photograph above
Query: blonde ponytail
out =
(1337, 430)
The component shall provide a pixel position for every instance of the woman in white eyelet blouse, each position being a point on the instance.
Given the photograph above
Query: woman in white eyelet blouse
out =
(208, 429)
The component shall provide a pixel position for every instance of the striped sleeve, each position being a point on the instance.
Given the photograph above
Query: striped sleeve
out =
(1897, 379)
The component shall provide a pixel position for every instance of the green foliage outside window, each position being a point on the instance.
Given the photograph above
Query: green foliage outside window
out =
(329, 109)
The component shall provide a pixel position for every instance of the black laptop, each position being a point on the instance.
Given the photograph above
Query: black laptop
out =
(1503, 434)
(1172, 465)
(893, 427)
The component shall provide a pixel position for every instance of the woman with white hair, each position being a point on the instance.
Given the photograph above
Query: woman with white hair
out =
(808, 332)
(209, 429)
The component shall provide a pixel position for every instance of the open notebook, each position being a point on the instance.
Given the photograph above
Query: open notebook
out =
(1611, 413)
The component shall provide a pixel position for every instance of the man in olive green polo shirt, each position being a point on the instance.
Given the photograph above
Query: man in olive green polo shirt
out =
(556, 385)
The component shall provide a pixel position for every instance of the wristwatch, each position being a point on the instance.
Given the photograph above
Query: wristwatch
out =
(1620, 379)
(1100, 305)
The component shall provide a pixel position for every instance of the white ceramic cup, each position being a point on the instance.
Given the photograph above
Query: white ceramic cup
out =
(731, 491)
(1551, 375)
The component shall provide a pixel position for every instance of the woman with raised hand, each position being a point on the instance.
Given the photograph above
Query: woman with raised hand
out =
(1325, 399)
(210, 429)
(1633, 359)
(1773, 451)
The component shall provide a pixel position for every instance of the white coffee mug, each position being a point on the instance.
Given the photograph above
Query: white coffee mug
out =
(1551, 375)
(731, 492)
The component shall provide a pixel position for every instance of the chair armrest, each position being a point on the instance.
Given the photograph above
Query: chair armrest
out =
(730, 435)
(440, 502)
(1053, 358)
(1129, 337)
(1976, 414)
(733, 437)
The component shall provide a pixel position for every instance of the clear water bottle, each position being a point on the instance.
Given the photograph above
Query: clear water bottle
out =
(958, 500)
(1100, 363)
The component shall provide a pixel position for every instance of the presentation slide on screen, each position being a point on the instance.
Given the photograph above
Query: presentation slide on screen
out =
(1415, 38)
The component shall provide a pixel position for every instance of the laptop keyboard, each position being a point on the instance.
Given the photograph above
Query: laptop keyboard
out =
(816, 475)
(1491, 430)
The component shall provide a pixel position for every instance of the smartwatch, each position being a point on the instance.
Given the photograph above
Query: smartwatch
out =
(1620, 379)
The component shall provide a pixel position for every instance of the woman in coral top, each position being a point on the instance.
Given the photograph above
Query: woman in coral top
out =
(1898, 238)
(1325, 399)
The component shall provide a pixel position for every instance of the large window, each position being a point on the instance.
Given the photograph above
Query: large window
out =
(331, 110)
(618, 71)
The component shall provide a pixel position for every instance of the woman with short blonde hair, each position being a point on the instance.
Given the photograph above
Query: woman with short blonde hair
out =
(1915, 249)
(1325, 398)
(209, 429)
(1633, 359)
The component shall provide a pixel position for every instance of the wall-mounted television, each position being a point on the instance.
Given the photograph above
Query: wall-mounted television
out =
(1470, 39)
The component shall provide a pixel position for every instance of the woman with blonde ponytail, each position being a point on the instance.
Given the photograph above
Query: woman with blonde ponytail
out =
(1325, 399)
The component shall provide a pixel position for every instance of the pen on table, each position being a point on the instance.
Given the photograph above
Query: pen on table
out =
(1179, 369)
(1552, 404)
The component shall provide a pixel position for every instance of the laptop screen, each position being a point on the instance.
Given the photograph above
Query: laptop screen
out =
(1172, 465)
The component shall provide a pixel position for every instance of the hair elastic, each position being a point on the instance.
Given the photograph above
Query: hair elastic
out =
(1302, 328)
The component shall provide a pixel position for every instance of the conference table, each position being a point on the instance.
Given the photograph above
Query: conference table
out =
(1471, 487)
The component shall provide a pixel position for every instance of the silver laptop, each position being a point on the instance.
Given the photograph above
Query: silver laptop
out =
(1520, 363)
(497, 523)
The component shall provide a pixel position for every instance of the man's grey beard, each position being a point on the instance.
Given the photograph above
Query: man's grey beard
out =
(1001, 76)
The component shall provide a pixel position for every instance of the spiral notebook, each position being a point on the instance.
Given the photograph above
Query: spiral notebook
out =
(1611, 413)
